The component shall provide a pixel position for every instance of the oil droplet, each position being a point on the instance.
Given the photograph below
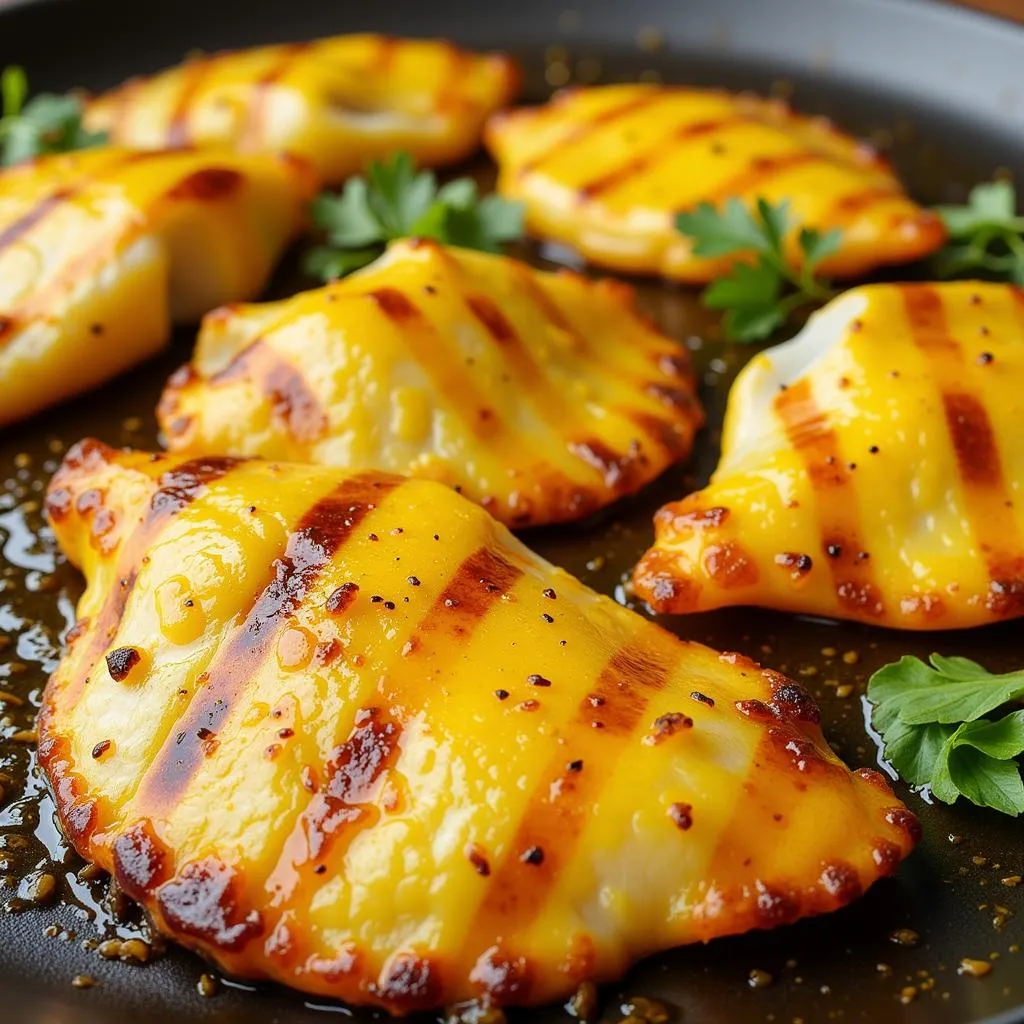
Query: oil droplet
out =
(295, 648)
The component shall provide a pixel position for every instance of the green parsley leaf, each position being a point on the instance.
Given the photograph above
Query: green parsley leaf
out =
(762, 290)
(46, 124)
(393, 201)
(931, 720)
(986, 235)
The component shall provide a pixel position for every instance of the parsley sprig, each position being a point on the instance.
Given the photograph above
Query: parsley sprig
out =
(394, 201)
(48, 123)
(758, 297)
(986, 234)
(936, 729)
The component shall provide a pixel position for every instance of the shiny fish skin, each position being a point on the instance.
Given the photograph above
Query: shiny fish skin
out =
(101, 249)
(541, 396)
(337, 102)
(339, 744)
(871, 469)
(606, 169)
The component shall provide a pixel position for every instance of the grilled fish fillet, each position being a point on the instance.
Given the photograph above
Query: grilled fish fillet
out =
(871, 469)
(101, 249)
(541, 396)
(342, 730)
(336, 102)
(606, 169)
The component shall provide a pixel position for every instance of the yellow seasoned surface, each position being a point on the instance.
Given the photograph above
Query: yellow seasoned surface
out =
(541, 396)
(344, 731)
(606, 169)
(871, 469)
(336, 102)
(101, 249)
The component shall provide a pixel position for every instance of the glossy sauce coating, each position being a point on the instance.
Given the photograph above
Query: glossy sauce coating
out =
(337, 102)
(101, 250)
(541, 396)
(370, 746)
(870, 470)
(606, 169)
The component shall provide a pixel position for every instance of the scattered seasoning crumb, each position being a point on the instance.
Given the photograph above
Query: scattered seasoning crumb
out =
(533, 856)
(414, 581)
(643, 1009)
(101, 748)
(682, 815)
(979, 862)
(829, 652)
(974, 968)
(550, 594)
(547, 618)
(985, 358)
(954, 839)
(83, 981)
(575, 766)
(884, 969)
(1011, 880)
(843, 691)
(850, 657)
(905, 937)
(908, 994)
(759, 979)
(537, 680)
(702, 698)
(207, 986)
(501, 694)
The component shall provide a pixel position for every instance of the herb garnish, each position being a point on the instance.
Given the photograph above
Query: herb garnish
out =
(758, 297)
(986, 234)
(935, 730)
(394, 201)
(48, 123)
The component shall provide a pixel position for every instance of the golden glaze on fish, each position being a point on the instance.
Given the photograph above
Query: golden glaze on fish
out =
(606, 169)
(871, 469)
(541, 396)
(337, 102)
(101, 249)
(344, 731)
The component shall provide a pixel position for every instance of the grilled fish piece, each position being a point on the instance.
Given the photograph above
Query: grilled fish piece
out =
(606, 169)
(541, 396)
(344, 731)
(337, 102)
(101, 249)
(870, 469)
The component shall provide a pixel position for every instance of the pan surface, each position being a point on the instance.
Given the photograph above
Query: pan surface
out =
(943, 90)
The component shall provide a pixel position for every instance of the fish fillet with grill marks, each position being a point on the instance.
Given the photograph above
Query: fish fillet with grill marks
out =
(337, 102)
(542, 396)
(871, 469)
(344, 731)
(101, 249)
(606, 169)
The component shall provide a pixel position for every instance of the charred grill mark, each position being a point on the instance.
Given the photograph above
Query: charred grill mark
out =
(493, 320)
(986, 496)
(77, 812)
(855, 203)
(192, 77)
(452, 96)
(256, 115)
(209, 185)
(318, 536)
(141, 861)
(761, 171)
(618, 471)
(294, 402)
(818, 444)
(580, 131)
(175, 489)
(563, 796)
(665, 148)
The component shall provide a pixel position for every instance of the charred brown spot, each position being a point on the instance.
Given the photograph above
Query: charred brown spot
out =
(861, 596)
(202, 902)
(208, 185)
(408, 982)
(1005, 596)
(876, 779)
(730, 566)
(101, 748)
(500, 977)
(702, 698)
(121, 661)
(886, 856)
(774, 907)
(394, 304)
(797, 565)
(77, 812)
(973, 440)
(701, 518)
(19, 228)
(796, 748)
(755, 710)
(342, 598)
(533, 855)
(681, 815)
(7, 327)
(140, 861)
(492, 318)
(790, 701)
(58, 504)
(352, 776)
(473, 591)
(906, 821)
(841, 882)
